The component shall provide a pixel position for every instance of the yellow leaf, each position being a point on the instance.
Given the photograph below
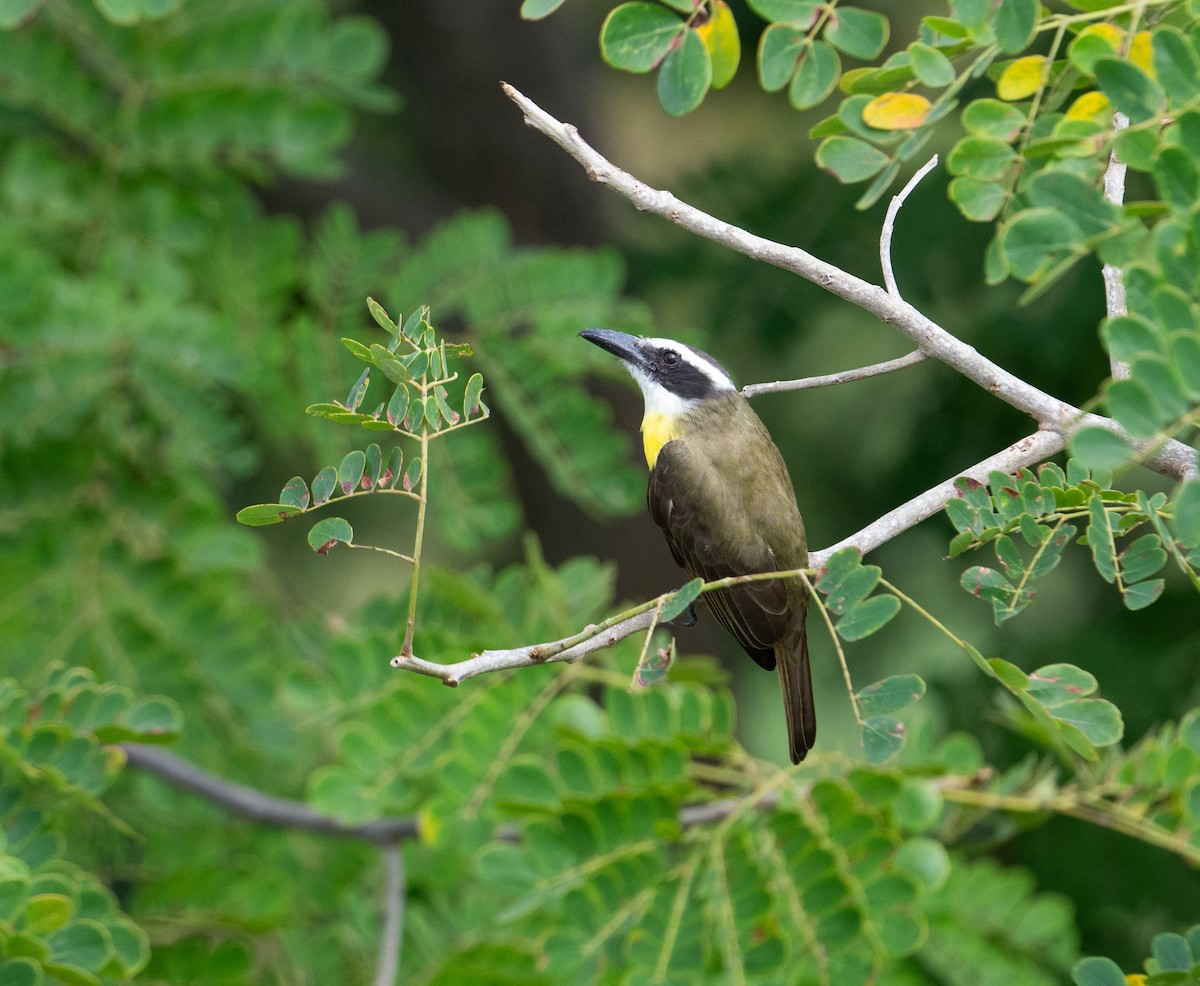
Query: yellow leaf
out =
(1141, 55)
(720, 36)
(1091, 106)
(429, 827)
(1135, 979)
(1022, 77)
(896, 111)
(1109, 32)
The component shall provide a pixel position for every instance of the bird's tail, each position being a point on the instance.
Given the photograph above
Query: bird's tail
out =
(791, 657)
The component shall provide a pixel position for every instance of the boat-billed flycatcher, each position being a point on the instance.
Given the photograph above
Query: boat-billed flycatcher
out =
(720, 491)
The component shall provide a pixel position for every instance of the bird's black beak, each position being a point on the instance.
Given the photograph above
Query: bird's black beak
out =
(621, 344)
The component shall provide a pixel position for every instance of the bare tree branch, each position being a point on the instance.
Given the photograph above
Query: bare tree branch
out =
(1114, 277)
(1027, 452)
(1171, 458)
(833, 379)
(265, 809)
(889, 226)
(391, 938)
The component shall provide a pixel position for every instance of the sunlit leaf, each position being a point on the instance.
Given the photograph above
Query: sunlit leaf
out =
(720, 36)
(896, 111)
(1021, 78)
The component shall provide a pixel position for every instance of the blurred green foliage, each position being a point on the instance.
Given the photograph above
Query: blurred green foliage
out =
(160, 333)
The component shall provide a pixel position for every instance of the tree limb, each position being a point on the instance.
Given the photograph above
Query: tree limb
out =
(1114, 277)
(833, 379)
(889, 226)
(265, 809)
(1171, 458)
(391, 938)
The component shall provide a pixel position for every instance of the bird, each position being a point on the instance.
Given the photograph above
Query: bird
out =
(721, 493)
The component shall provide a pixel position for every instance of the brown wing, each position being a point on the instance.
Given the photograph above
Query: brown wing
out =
(684, 501)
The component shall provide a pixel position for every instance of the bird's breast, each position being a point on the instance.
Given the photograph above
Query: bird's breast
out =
(657, 430)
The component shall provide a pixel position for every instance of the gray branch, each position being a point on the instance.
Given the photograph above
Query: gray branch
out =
(252, 804)
(395, 890)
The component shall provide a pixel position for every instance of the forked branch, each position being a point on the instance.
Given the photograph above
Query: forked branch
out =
(1171, 458)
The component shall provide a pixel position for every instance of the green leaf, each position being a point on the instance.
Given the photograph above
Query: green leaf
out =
(328, 532)
(852, 589)
(637, 36)
(1014, 24)
(359, 390)
(351, 470)
(1133, 405)
(533, 10)
(374, 466)
(1172, 953)
(84, 944)
(1056, 684)
(932, 67)
(295, 493)
(14, 12)
(816, 76)
(1035, 240)
(412, 475)
(1131, 90)
(1177, 177)
(1100, 539)
(264, 514)
(1142, 594)
(685, 75)
(993, 118)
(382, 319)
(849, 159)
(882, 737)
(980, 201)
(1187, 514)
(1077, 200)
(323, 485)
(890, 694)
(867, 617)
(678, 602)
(1096, 971)
(1185, 354)
(1128, 336)
(654, 665)
(983, 158)
(1009, 674)
(19, 971)
(860, 33)
(779, 52)
(1098, 720)
(798, 13)
(1099, 448)
(1175, 64)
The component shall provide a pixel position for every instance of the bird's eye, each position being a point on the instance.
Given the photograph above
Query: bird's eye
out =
(670, 358)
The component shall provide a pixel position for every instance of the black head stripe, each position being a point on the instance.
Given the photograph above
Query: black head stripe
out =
(684, 371)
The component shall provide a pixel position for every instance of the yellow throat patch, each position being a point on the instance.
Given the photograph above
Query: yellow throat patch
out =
(657, 430)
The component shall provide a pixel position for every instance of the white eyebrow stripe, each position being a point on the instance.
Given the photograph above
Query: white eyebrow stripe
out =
(705, 364)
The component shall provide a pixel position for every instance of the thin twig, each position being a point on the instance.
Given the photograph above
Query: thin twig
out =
(834, 379)
(1114, 277)
(889, 225)
(265, 809)
(1172, 458)
(391, 937)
